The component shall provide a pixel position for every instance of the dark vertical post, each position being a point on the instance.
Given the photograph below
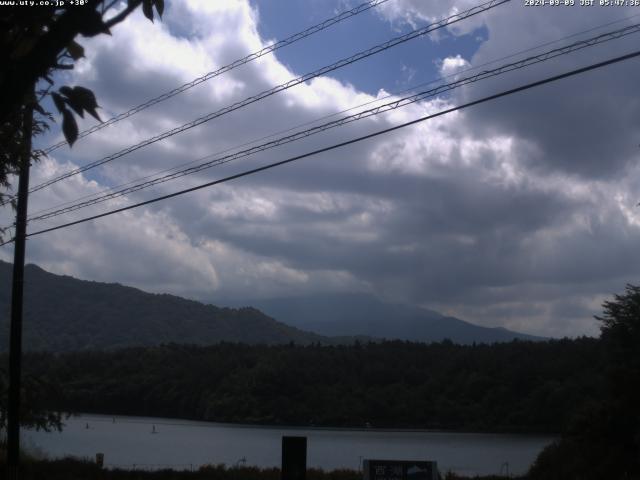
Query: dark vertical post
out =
(294, 458)
(15, 345)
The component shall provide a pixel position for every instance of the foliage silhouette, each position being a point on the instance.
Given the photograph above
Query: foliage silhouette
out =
(603, 439)
(36, 42)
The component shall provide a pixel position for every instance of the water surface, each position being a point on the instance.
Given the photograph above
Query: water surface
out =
(130, 442)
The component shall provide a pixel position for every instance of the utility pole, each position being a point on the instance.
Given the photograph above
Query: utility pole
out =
(15, 339)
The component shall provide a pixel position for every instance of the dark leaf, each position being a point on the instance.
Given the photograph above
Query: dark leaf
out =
(39, 109)
(69, 127)
(82, 100)
(75, 50)
(58, 102)
(159, 7)
(147, 9)
(86, 100)
(93, 24)
(86, 97)
(67, 91)
(94, 114)
(71, 100)
(75, 106)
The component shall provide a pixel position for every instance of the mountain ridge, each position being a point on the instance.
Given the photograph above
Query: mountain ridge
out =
(62, 313)
(346, 314)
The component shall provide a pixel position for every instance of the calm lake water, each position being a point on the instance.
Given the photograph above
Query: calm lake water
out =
(129, 442)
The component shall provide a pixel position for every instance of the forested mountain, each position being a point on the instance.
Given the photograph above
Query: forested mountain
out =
(65, 314)
(359, 314)
(517, 386)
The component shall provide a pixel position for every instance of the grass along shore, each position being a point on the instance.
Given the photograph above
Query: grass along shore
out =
(77, 469)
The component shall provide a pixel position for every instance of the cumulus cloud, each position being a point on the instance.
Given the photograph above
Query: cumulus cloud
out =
(520, 213)
(451, 65)
(415, 12)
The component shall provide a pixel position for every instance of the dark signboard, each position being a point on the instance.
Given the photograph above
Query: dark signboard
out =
(400, 470)
(294, 458)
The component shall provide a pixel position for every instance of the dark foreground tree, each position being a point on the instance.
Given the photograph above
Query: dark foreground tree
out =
(603, 439)
(37, 41)
(37, 397)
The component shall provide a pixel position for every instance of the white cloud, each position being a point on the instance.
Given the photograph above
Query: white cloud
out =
(483, 213)
(418, 12)
(451, 65)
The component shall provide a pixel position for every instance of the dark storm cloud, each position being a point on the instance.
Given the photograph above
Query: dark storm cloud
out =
(515, 214)
(587, 125)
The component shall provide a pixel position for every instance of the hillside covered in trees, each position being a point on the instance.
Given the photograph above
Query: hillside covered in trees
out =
(65, 314)
(518, 386)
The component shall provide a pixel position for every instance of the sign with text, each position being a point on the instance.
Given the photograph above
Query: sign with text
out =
(400, 470)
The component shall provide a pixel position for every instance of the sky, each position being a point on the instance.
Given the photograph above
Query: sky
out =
(521, 212)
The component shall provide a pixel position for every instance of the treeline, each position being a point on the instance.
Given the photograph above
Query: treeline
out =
(516, 387)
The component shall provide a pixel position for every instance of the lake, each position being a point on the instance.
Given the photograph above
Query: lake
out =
(130, 442)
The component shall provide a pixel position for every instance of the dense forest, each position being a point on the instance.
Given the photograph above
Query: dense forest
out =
(586, 389)
(517, 386)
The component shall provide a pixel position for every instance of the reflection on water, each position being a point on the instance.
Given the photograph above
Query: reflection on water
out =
(129, 441)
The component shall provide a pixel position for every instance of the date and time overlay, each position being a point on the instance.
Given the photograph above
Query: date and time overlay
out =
(526, 3)
(581, 3)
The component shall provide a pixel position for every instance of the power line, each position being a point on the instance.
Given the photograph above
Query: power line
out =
(476, 67)
(348, 142)
(291, 83)
(237, 63)
(413, 88)
(402, 102)
(253, 56)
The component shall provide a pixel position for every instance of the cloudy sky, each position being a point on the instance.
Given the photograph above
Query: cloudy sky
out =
(518, 213)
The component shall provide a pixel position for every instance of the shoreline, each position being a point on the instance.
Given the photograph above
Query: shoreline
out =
(108, 418)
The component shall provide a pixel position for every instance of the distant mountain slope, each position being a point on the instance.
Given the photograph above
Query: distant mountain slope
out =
(348, 315)
(64, 314)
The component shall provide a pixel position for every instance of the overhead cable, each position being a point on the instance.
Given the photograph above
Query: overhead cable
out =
(325, 117)
(291, 83)
(505, 93)
(363, 7)
(402, 102)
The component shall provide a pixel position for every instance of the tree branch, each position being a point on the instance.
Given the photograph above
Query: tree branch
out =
(123, 14)
(23, 75)
(108, 7)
